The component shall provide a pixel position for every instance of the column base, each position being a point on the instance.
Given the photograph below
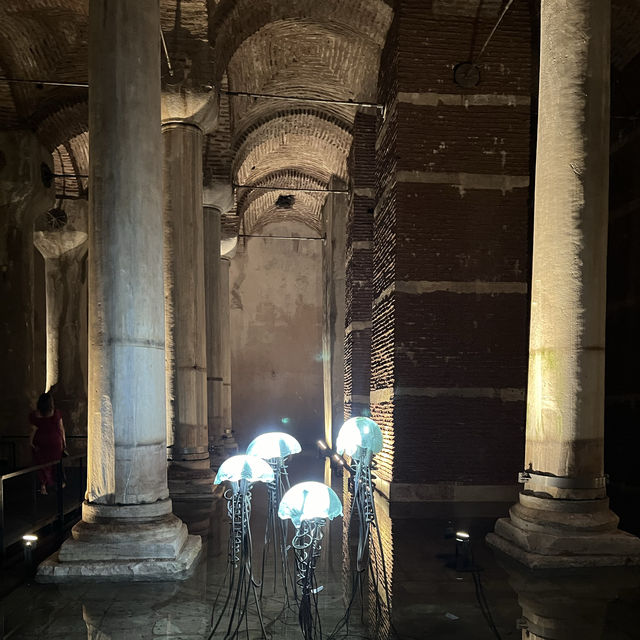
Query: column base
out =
(191, 480)
(544, 533)
(124, 543)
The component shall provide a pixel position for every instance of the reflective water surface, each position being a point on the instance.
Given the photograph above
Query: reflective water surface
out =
(435, 594)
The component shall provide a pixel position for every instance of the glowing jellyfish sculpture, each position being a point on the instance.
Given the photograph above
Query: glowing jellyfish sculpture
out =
(360, 438)
(241, 472)
(308, 505)
(275, 448)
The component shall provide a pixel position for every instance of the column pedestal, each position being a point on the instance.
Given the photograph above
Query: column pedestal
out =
(545, 533)
(127, 542)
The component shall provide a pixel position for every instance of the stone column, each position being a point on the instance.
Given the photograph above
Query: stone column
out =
(128, 531)
(214, 347)
(217, 199)
(64, 252)
(188, 110)
(227, 251)
(189, 470)
(225, 340)
(25, 193)
(562, 518)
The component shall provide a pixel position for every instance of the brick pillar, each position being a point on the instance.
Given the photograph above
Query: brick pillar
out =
(450, 266)
(357, 341)
(357, 337)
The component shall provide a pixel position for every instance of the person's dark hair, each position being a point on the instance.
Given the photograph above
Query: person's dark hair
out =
(45, 404)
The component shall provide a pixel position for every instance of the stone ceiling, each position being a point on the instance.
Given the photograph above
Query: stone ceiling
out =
(326, 50)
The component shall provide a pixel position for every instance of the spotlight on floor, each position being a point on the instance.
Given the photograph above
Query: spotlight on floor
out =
(29, 542)
(463, 551)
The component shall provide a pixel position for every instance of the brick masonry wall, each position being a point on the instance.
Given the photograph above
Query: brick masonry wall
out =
(450, 245)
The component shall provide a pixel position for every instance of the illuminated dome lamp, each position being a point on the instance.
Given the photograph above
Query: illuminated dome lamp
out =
(307, 501)
(308, 505)
(360, 438)
(275, 447)
(241, 472)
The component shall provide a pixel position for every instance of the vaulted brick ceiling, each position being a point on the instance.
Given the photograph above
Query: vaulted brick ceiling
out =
(299, 48)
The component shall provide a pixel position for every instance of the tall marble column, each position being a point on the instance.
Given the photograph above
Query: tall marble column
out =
(563, 517)
(64, 252)
(24, 195)
(225, 339)
(188, 109)
(214, 347)
(228, 249)
(128, 531)
(217, 199)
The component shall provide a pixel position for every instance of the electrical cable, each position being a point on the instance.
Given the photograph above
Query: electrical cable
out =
(495, 28)
(481, 597)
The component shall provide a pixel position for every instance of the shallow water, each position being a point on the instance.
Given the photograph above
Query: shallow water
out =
(485, 597)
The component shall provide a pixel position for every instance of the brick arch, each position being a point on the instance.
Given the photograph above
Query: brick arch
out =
(257, 205)
(299, 109)
(289, 140)
(285, 178)
(262, 209)
(63, 122)
(43, 40)
(301, 58)
(236, 20)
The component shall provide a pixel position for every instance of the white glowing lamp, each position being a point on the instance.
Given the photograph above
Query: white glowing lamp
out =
(308, 501)
(359, 438)
(249, 468)
(273, 445)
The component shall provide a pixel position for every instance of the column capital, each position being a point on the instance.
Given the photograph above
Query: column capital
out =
(228, 248)
(190, 104)
(53, 244)
(218, 195)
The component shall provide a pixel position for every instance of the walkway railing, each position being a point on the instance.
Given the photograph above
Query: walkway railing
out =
(23, 510)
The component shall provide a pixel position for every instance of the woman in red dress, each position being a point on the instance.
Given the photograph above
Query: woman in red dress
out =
(47, 438)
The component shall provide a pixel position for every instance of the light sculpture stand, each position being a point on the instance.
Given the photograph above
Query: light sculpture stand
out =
(360, 438)
(241, 472)
(309, 505)
(275, 448)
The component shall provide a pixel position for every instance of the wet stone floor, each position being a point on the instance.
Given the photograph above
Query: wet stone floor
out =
(482, 597)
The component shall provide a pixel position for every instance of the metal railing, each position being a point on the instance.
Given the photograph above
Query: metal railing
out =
(36, 513)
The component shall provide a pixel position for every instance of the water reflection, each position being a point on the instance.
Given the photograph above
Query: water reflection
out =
(432, 595)
(568, 604)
